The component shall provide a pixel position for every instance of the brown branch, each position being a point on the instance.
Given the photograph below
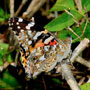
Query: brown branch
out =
(11, 8)
(83, 30)
(6, 64)
(81, 81)
(83, 44)
(16, 57)
(32, 8)
(66, 73)
(20, 7)
(44, 83)
(83, 61)
(78, 3)
(73, 32)
(76, 20)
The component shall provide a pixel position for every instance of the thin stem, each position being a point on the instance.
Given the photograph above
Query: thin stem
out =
(11, 8)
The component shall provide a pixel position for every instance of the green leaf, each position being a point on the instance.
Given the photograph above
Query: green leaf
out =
(9, 82)
(86, 4)
(3, 50)
(2, 19)
(1, 12)
(63, 21)
(60, 5)
(65, 33)
(56, 81)
(4, 47)
(3, 15)
(9, 58)
(1, 57)
(85, 86)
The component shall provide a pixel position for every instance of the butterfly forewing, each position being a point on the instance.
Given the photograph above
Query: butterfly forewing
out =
(39, 48)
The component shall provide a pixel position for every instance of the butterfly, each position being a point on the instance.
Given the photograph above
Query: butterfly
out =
(40, 49)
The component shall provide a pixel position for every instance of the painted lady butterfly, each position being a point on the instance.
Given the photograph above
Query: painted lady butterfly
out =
(40, 49)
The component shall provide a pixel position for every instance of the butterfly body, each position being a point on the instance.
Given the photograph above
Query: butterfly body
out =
(40, 50)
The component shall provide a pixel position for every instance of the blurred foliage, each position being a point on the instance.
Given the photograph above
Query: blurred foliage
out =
(4, 53)
(3, 15)
(65, 20)
(65, 33)
(85, 86)
(56, 80)
(60, 5)
(9, 82)
(62, 21)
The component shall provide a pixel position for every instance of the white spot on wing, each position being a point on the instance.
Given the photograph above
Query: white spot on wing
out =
(60, 46)
(23, 44)
(9, 24)
(30, 25)
(34, 51)
(37, 53)
(29, 33)
(54, 46)
(20, 20)
(22, 35)
(18, 27)
(27, 27)
(42, 58)
(29, 42)
(17, 23)
(38, 49)
(27, 39)
(46, 48)
(22, 30)
(48, 39)
(37, 34)
(27, 53)
(26, 48)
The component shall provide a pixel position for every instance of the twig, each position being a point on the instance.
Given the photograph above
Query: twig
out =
(44, 83)
(81, 81)
(20, 7)
(78, 3)
(71, 14)
(83, 61)
(6, 64)
(73, 32)
(83, 44)
(16, 57)
(11, 8)
(76, 20)
(88, 81)
(83, 30)
(66, 73)
(56, 14)
(11, 42)
(33, 7)
(85, 26)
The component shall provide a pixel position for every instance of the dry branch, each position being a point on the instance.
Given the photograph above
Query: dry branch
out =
(83, 44)
(20, 7)
(83, 61)
(79, 6)
(11, 8)
(33, 7)
(66, 73)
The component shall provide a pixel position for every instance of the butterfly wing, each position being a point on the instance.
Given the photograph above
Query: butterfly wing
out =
(39, 48)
